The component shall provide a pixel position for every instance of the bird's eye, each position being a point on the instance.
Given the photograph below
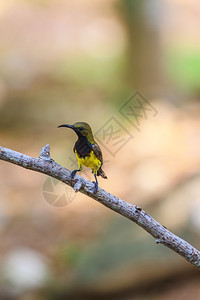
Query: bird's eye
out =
(80, 128)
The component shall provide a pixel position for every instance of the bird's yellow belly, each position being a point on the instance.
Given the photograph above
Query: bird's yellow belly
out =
(90, 161)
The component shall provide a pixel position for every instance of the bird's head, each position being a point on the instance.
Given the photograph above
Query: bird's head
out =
(82, 129)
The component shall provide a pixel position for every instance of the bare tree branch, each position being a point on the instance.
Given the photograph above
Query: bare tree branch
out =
(45, 164)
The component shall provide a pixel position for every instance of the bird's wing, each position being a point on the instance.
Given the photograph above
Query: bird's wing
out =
(97, 152)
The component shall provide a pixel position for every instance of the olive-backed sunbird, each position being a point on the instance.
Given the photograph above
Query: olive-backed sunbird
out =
(88, 152)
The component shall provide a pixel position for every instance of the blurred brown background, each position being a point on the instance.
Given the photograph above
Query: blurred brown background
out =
(64, 61)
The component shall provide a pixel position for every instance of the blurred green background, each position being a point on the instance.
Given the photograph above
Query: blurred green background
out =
(65, 61)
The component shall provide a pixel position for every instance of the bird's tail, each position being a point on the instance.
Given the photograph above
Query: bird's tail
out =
(101, 173)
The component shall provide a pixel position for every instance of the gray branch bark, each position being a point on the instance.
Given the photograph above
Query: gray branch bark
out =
(46, 165)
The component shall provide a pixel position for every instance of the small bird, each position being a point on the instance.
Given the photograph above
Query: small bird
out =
(88, 152)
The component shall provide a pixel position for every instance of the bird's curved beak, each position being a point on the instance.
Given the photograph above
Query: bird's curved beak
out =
(66, 125)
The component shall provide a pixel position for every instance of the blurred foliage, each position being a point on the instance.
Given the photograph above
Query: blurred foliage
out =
(183, 67)
(65, 61)
(69, 254)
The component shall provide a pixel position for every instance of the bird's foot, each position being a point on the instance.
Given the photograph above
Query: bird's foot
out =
(73, 173)
(95, 186)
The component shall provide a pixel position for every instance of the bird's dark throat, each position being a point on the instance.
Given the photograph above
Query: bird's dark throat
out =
(83, 147)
